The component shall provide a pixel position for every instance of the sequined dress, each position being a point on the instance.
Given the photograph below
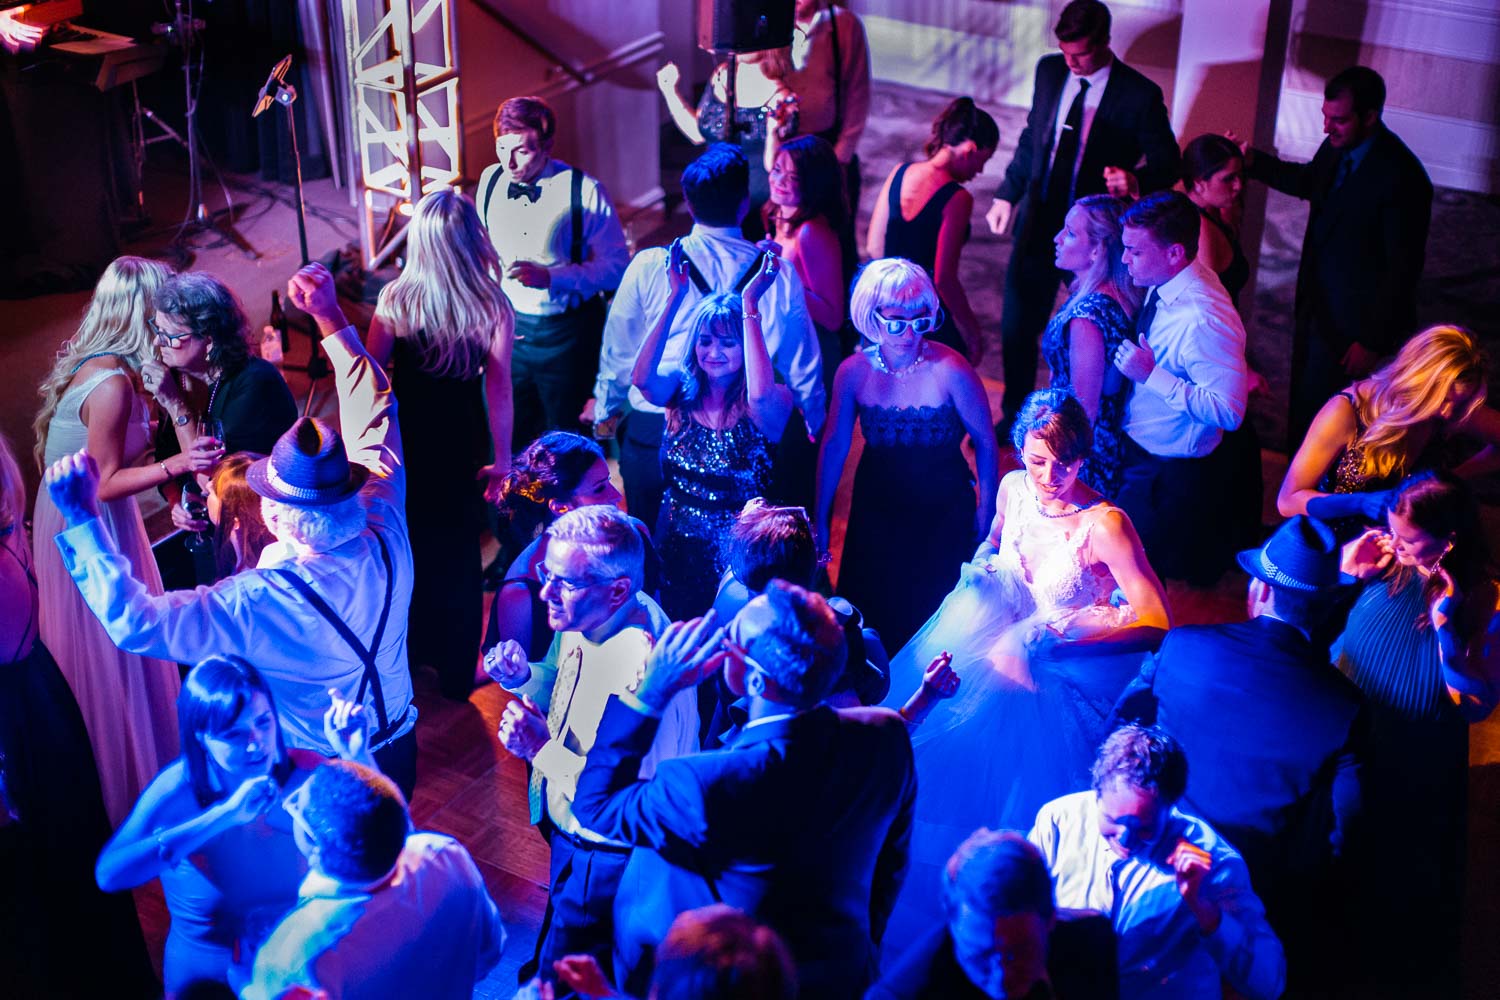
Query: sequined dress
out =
(1023, 727)
(709, 475)
(911, 519)
(1102, 469)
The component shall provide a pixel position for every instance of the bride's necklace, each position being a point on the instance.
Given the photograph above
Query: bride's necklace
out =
(1077, 508)
(879, 359)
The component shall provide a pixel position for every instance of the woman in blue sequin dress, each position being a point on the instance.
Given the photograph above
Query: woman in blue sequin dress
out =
(1084, 334)
(725, 414)
(915, 516)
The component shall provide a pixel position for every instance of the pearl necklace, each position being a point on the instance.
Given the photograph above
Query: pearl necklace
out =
(878, 357)
(1078, 508)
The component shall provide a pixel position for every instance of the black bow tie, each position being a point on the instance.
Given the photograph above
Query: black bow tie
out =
(531, 191)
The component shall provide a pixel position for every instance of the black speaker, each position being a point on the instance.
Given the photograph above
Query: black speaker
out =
(744, 25)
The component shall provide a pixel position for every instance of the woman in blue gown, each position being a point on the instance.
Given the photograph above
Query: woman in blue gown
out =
(1045, 627)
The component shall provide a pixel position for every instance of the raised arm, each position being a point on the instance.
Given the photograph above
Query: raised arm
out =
(683, 115)
(952, 234)
(1296, 179)
(835, 447)
(1332, 430)
(770, 404)
(660, 389)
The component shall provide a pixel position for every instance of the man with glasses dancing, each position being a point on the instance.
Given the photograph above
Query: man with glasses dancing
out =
(606, 628)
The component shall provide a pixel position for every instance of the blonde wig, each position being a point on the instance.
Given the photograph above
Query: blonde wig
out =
(886, 282)
(114, 324)
(1412, 390)
(448, 298)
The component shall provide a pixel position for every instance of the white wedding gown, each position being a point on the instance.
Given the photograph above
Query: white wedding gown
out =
(1022, 728)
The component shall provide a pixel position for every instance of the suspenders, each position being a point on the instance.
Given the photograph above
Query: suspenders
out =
(370, 679)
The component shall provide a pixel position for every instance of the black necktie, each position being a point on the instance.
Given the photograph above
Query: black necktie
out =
(1059, 193)
(1345, 168)
(528, 191)
(1146, 315)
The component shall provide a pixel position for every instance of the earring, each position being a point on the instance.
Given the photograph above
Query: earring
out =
(756, 684)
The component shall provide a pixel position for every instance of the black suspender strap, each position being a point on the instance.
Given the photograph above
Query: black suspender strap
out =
(575, 251)
(370, 679)
(704, 288)
(489, 192)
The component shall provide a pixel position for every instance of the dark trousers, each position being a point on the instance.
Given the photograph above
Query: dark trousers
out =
(579, 919)
(640, 436)
(1031, 283)
(1317, 375)
(552, 370)
(1174, 504)
(398, 761)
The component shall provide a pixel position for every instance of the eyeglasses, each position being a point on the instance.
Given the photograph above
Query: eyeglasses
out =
(562, 583)
(170, 339)
(920, 325)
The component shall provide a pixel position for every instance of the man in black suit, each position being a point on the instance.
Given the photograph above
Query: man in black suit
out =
(1095, 125)
(802, 823)
(1365, 245)
(1005, 936)
(1274, 732)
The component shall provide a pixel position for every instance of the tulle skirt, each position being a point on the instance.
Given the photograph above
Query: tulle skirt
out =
(129, 702)
(1021, 730)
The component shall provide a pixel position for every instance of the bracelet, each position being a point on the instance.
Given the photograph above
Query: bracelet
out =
(750, 315)
(166, 472)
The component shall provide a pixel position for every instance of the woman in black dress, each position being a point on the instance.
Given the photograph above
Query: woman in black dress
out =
(922, 214)
(448, 327)
(915, 516)
(1418, 644)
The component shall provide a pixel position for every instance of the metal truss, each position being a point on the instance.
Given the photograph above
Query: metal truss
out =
(403, 89)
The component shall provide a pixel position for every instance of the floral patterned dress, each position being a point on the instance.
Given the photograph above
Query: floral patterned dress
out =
(1102, 470)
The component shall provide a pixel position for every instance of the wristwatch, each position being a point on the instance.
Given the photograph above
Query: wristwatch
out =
(182, 420)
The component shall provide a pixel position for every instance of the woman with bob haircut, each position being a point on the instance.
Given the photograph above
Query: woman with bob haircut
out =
(1383, 428)
(1044, 630)
(448, 327)
(915, 513)
(725, 414)
(211, 826)
(94, 398)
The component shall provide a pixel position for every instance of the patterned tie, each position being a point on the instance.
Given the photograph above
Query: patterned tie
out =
(1059, 191)
(557, 714)
(1146, 315)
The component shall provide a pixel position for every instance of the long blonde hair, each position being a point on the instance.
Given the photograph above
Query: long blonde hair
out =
(449, 294)
(1412, 390)
(114, 324)
(12, 490)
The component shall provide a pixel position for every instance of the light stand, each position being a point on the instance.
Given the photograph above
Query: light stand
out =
(278, 91)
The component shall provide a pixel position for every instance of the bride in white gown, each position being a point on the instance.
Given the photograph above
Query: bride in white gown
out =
(1045, 627)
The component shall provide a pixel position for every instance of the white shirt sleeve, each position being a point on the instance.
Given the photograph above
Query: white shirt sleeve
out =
(1215, 384)
(793, 343)
(605, 252)
(624, 332)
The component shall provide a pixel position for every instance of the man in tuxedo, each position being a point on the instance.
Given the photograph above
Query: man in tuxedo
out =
(1274, 733)
(605, 629)
(803, 822)
(1005, 936)
(1095, 125)
(1188, 365)
(1365, 245)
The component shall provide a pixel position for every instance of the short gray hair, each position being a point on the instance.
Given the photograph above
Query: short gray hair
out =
(889, 281)
(608, 537)
(318, 528)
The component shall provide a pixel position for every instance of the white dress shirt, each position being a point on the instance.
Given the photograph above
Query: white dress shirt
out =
(615, 666)
(722, 255)
(1163, 954)
(256, 613)
(1098, 80)
(1200, 384)
(429, 929)
(542, 232)
(812, 78)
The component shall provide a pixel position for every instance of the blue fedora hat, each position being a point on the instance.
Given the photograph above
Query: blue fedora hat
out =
(1302, 554)
(308, 467)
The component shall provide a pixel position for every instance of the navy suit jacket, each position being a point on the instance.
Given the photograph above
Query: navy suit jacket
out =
(803, 823)
(1274, 737)
(1130, 130)
(1366, 242)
